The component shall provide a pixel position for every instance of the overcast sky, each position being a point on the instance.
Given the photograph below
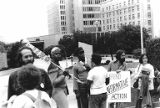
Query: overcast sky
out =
(28, 18)
(22, 18)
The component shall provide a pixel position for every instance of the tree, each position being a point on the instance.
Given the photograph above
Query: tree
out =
(129, 38)
(153, 52)
(12, 54)
(69, 43)
(2, 47)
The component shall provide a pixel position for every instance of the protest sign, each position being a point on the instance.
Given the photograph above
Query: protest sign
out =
(119, 88)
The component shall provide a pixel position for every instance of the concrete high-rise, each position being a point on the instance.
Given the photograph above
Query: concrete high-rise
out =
(60, 17)
(86, 13)
(115, 13)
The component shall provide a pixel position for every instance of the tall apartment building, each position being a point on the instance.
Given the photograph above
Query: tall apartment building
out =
(116, 13)
(60, 17)
(86, 13)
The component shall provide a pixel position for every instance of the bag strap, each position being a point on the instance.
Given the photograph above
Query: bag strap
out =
(30, 96)
(138, 67)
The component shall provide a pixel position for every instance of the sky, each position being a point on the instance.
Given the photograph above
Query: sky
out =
(20, 19)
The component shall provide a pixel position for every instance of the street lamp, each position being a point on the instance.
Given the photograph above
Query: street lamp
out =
(141, 25)
(96, 23)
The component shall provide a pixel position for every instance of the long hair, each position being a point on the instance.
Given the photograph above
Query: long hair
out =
(19, 55)
(29, 77)
(141, 58)
(119, 53)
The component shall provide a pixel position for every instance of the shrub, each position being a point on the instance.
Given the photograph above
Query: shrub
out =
(153, 52)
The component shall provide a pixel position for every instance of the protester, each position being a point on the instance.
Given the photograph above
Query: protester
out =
(144, 76)
(25, 56)
(80, 73)
(57, 76)
(29, 77)
(118, 66)
(97, 82)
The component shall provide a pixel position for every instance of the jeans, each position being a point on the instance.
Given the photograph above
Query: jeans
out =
(98, 101)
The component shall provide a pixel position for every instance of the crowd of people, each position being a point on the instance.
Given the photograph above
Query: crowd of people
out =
(89, 81)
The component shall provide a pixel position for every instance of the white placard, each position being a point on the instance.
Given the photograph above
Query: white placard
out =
(119, 88)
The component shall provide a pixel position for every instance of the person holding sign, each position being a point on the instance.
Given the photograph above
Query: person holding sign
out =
(144, 76)
(118, 65)
(97, 78)
(80, 73)
(57, 77)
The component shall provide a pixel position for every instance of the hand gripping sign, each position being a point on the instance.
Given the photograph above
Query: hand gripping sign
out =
(44, 58)
(119, 88)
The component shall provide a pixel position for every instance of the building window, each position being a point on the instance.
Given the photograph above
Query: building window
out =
(137, 1)
(133, 17)
(106, 8)
(149, 29)
(129, 17)
(138, 15)
(117, 12)
(62, 2)
(107, 21)
(120, 18)
(133, 9)
(149, 22)
(117, 19)
(113, 20)
(137, 7)
(149, 14)
(103, 27)
(132, 1)
(113, 13)
(148, 7)
(120, 12)
(128, 2)
(62, 12)
(110, 26)
(133, 23)
(110, 20)
(125, 18)
(139, 22)
(114, 26)
(118, 26)
(148, 0)
(103, 22)
(107, 14)
(124, 3)
(125, 11)
(129, 9)
(63, 28)
(113, 7)
(120, 5)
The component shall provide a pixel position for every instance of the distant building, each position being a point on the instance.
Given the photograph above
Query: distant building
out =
(60, 17)
(116, 13)
(86, 14)
(42, 42)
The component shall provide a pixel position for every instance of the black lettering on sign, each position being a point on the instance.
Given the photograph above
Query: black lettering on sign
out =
(115, 76)
(117, 86)
(119, 96)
